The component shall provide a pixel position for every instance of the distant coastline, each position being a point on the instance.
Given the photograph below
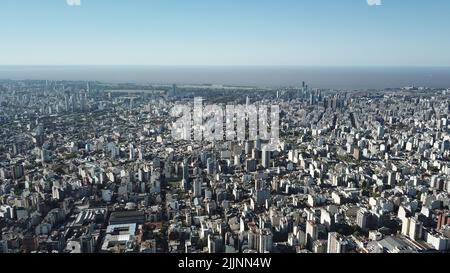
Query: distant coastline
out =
(337, 77)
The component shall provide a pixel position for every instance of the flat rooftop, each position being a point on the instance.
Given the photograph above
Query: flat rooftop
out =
(127, 217)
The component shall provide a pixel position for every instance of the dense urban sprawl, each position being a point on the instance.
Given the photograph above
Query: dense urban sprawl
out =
(93, 167)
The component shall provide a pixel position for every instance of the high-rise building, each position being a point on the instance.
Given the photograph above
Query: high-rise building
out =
(265, 241)
(250, 165)
(87, 244)
(40, 129)
(265, 161)
(312, 233)
(248, 147)
(445, 146)
(197, 187)
(363, 219)
(337, 243)
(131, 104)
(185, 171)
(443, 219)
(173, 91)
(319, 246)
(17, 171)
(132, 152)
(357, 154)
(391, 179)
(252, 239)
(258, 144)
(215, 244)
(380, 132)
(45, 156)
(415, 228)
(210, 166)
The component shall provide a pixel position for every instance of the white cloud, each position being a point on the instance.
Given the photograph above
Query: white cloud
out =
(374, 2)
(73, 2)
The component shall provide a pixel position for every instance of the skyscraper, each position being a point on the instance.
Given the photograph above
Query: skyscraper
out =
(132, 151)
(443, 219)
(362, 218)
(210, 166)
(380, 132)
(265, 161)
(265, 241)
(185, 171)
(215, 244)
(197, 187)
(337, 243)
(312, 233)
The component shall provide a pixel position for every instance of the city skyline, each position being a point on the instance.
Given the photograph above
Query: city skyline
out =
(218, 33)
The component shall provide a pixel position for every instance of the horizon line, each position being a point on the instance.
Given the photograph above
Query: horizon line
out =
(224, 65)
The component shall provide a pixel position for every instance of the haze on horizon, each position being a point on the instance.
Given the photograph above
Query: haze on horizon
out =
(261, 76)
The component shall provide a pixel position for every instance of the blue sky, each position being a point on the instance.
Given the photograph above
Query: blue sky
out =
(225, 32)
